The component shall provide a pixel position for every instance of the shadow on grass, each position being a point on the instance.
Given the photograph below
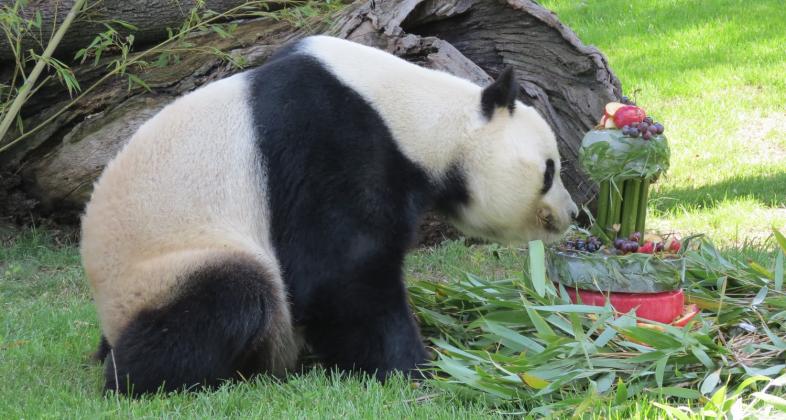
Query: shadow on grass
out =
(769, 190)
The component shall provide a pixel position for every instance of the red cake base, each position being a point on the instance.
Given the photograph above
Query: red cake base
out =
(664, 307)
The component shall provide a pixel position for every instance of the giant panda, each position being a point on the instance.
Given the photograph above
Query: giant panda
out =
(273, 209)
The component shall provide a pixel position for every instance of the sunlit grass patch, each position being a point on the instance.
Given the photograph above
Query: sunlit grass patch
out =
(712, 72)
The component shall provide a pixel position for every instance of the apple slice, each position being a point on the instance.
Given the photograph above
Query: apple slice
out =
(611, 108)
(688, 313)
(609, 123)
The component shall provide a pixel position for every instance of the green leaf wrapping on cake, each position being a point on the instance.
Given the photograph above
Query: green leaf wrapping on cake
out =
(631, 273)
(608, 155)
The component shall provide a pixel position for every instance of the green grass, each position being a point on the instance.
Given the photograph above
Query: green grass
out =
(713, 73)
(48, 329)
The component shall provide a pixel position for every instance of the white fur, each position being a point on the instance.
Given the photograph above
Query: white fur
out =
(437, 121)
(183, 193)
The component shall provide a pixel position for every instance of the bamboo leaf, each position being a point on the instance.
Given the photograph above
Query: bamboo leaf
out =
(702, 356)
(750, 381)
(761, 270)
(135, 80)
(622, 393)
(772, 400)
(648, 357)
(626, 320)
(522, 342)
(534, 381)
(759, 298)
(540, 324)
(779, 271)
(710, 382)
(455, 350)
(673, 412)
(660, 366)
(780, 239)
(776, 341)
(719, 397)
(679, 392)
(583, 309)
(605, 382)
(537, 267)
(653, 338)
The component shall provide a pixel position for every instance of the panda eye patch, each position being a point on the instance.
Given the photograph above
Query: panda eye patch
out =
(548, 176)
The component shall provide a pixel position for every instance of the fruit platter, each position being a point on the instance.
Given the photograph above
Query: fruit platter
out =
(617, 261)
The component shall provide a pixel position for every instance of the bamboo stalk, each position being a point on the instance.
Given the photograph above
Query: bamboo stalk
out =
(22, 94)
(630, 203)
(641, 218)
(615, 194)
(603, 206)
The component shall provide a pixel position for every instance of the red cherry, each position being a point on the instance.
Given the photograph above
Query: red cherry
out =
(628, 115)
(675, 246)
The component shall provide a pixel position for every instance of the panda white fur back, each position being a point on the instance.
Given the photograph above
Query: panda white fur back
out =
(287, 196)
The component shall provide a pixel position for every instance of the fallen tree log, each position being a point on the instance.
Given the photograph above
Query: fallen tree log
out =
(567, 81)
(152, 17)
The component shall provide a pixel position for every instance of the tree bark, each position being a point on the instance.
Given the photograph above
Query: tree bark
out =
(565, 80)
(152, 17)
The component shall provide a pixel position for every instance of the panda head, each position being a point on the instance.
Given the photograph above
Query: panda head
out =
(512, 171)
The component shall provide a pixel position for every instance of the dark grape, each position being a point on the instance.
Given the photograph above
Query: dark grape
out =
(647, 135)
(592, 247)
(635, 236)
(634, 132)
(648, 120)
(631, 246)
(643, 127)
(625, 100)
(659, 128)
(659, 247)
(570, 244)
(653, 130)
(618, 243)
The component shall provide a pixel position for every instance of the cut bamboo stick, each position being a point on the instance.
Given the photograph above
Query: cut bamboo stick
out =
(630, 201)
(615, 192)
(641, 218)
(603, 205)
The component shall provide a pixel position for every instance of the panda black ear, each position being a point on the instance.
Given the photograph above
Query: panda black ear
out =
(502, 93)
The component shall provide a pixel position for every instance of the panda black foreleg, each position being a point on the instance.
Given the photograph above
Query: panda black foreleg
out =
(367, 327)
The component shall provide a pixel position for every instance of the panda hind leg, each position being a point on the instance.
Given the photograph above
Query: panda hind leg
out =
(229, 321)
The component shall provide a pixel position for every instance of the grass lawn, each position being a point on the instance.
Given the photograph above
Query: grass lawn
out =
(713, 72)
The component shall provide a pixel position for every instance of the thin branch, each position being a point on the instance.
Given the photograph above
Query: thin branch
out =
(22, 95)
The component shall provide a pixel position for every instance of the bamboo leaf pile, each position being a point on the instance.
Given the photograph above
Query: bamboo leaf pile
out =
(506, 341)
